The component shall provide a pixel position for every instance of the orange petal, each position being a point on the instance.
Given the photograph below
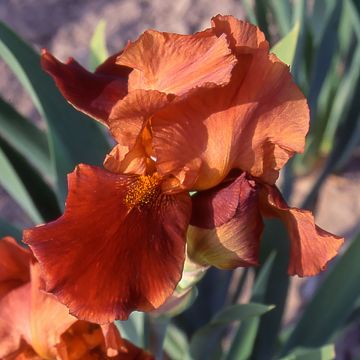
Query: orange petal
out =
(14, 265)
(15, 320)
(226, 225)
(93, 93)
(255, 124)
(311, 247)
(174, 63)
(132, 352)
(240, 33)
(121, 234)
(49, 318)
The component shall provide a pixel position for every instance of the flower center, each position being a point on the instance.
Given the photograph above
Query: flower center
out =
(143, 190)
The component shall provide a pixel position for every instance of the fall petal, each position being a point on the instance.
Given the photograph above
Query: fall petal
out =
(129, 242)
(226, 225)
(14, 265)
(311, 247)
(174, 63)
(255, 124)
(93, 93)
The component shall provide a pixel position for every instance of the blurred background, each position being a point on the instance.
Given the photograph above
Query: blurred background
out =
(325, 38)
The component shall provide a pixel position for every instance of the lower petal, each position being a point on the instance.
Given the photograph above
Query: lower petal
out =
(226, 225)
(104, 258)
(311, 247)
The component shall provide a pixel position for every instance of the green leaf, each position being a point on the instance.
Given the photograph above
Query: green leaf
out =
(201, 345)
(283, 14)
(326, 352)
(7, 229)
(337, 294)
(176, 344)
(42, 195)
(73, 137)
(25, 137)
(98, 50)
(14, 186)
(286, 47)
(243, 342)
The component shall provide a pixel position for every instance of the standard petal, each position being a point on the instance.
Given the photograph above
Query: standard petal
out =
(93, 93)
(174, 63)
(240, 33)
(226, 225)
(255, 124)
(118, 247)
(14, 265)
(311, 247)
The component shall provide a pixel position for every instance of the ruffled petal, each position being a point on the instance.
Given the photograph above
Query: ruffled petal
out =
(174, 63)
(121, 234)
(240, 33)
(226, 225)
(311, 247)
(255, 124)
(14, 265)
(92, 93)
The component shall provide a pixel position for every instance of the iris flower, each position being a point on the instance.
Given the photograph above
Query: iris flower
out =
(213, 112)
(34, 325)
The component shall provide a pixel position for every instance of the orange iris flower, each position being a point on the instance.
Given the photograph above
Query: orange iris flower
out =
(212, 112)
(34, 325)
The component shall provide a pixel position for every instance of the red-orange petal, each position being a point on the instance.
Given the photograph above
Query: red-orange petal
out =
(174, 63)
(311, 247)
(14, 265)
(93, 93)
(226, 225)
(117, 248)
(255, 123)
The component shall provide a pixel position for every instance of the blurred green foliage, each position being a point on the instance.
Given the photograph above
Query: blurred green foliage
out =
(320, 41)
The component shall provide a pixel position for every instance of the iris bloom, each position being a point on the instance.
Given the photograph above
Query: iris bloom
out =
(34, 325)
(212, 112)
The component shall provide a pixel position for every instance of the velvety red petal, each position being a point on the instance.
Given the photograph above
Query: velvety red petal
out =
(118, 247)
(174, 63)
(93, 93)
(226, 225)
(311, 247)
(14, 265)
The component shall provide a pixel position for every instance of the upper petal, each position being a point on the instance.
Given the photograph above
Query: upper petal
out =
(226, 225)
(311, 247)
(174, 63)
(255, 123)
(14, 265)
(127, 241)
(93, 93)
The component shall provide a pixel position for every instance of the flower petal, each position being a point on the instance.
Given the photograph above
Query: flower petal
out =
(311, 247)
(93, 93)
(14, 320)
(14, 265)
(240, 33)
(255, 124)
(226, 225)
(128, 242)
(174, 63)
(49, 318)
